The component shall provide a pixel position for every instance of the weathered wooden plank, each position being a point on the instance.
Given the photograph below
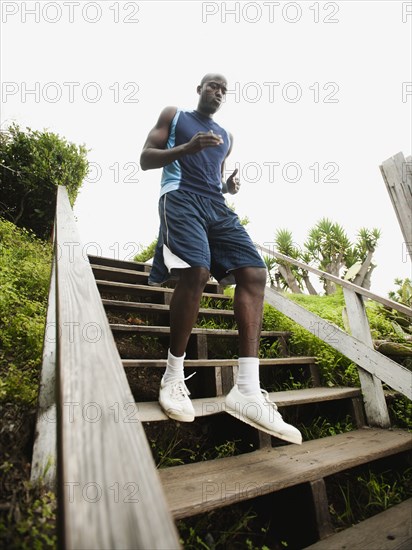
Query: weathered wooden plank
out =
(133, 276)
(393, 374)
(150, 411)
(199, 363)
(129, 288)
(196, 488)
(389, 530)
(161, 308)
(113, 262)
(151, 329)
(121, 275)
(397, 175)
(144, 306)
(374, 399)
(44, 459)
(109, 490)
(341, 282)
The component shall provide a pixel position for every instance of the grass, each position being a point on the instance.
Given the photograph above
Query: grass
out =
(358, 494)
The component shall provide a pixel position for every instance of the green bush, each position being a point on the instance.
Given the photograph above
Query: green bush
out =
(146, 253)
(32, 165)
(25, 263)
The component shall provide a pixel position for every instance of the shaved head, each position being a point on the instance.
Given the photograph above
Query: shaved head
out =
(212, 76)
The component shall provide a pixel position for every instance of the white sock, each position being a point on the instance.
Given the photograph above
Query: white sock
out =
(174, 367)
(248, 375)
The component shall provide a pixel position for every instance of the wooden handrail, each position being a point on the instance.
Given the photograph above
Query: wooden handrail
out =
(109, 490)
(345, 284)
(373, 367)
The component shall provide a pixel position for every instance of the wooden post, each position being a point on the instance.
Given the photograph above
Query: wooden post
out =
(320, 503)
(397, 174)
(358, 412)
(44, 461)
(315, 375)
(374, 398)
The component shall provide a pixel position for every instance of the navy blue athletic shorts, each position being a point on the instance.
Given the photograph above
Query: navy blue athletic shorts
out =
(196, 231)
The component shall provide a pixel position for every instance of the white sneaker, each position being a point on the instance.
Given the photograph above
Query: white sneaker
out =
(261, 413)
(175, 402)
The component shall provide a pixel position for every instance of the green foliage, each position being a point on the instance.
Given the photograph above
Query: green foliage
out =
(367, 241)
(24, 280)
(321, 427)
(269, 349)
(329, 248)
(381, 324)
(328, 244)
(401, 411)
(284, 243)
(335, 369)
(172, 452)
(235, 529)
(361, 496)
(35, 528)
(216, 323)
(217, 303)
(403, 292)
(400, 322)
(32, 165)
(147, 253)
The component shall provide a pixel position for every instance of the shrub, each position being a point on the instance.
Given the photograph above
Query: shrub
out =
(25, 263)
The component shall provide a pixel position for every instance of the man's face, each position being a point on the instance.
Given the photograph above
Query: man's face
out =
(212, 93)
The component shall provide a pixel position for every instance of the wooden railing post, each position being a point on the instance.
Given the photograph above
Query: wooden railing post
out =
(44, 461)
(397, 175)
(374, 399)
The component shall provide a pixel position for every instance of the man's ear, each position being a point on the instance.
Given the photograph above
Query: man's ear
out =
(199, 89)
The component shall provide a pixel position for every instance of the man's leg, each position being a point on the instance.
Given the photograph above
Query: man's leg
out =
(246, 401)
(248, 306)
(184, 308)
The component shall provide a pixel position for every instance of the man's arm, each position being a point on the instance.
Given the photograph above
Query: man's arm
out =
(155, 154)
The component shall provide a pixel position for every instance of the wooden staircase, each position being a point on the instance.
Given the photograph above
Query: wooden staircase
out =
(136, 310)
(99, 424)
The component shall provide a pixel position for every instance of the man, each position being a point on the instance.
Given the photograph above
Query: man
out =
(199, 235)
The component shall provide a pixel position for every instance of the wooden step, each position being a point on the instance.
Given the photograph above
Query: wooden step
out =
(151, 329)
(143, 290)
(201, 363)
(120, 264)
(196, 488)
(206, 406)
(389, 530)
(143, 307)
(107, 273)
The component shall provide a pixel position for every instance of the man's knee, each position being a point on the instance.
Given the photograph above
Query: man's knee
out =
(252, 276)
(194, 278)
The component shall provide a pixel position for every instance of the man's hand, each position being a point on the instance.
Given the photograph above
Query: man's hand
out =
(233, 184)
(201, 140)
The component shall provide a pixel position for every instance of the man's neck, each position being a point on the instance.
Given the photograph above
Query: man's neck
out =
(207, 115)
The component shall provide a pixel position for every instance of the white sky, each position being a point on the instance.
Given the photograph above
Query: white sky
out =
(157, 58)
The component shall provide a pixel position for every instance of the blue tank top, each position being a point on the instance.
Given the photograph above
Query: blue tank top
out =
(199, 173)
